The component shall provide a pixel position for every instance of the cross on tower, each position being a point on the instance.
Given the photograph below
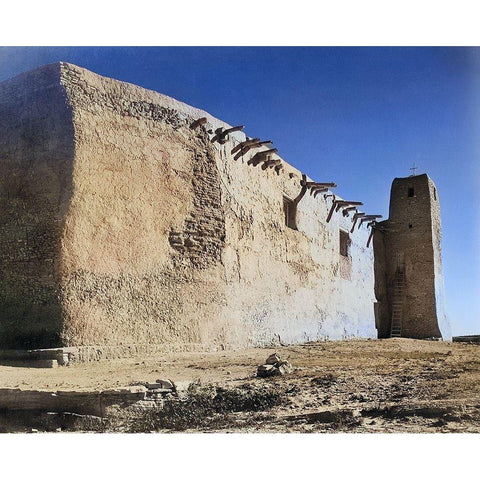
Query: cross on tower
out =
(414, 170)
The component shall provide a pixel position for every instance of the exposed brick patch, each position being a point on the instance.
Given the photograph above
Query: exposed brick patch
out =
(203, 237)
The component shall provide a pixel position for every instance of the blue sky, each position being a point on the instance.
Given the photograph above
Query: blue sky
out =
(355, 116)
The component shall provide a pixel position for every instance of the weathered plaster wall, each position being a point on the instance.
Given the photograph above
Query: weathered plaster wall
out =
(143, 235)
(290, 285)
(168, 239)
(36, 158)
(443, 321)
(413, 231)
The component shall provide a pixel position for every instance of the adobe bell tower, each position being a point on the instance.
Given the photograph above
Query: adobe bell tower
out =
(408, 266)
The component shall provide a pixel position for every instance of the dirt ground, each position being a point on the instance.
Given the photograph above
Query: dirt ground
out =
(378, 386)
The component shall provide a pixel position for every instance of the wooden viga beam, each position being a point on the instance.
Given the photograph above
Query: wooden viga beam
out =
(243, 151)
(370, 238)
(318, 187)
(372, 225)
(356, 216)
(340, 203)
(271, 163)
(244, 145)
(359, 215)
(320, 184)
(367, 218)
(248, 144)
(261, 156)
(198, 123)
(316, 191)
(222, 135)
(344, 203)
(345, 211)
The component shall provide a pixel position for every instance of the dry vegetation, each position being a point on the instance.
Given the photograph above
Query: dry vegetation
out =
(395, 385)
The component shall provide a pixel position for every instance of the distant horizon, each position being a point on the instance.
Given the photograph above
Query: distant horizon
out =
(357, 116)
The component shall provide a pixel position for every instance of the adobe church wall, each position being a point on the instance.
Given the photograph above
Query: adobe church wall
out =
(167, 239)
(141, 252)
(286, 285)
(36, 158)
(212, 261)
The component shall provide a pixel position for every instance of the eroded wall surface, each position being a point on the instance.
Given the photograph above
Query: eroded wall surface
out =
(168, 239)
(36, 159)
(143, 183)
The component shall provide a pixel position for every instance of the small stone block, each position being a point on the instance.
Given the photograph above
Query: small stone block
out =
(63, 359)
(46, 364)
(153, 386)
(165, 384)
(273, 359)
(284, 368)
(182, 386)
(266, 371)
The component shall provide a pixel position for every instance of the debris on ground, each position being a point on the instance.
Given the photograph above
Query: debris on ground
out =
(353, 386)
(274, 365)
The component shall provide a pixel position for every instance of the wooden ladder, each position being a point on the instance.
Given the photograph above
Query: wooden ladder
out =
(397, 304)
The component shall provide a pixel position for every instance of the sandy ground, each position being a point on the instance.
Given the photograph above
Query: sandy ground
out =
(395, 385)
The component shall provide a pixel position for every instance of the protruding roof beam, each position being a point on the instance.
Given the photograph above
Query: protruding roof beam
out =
(345, 203)
(370, 238)
(356, 216)
(348, 209)
(265, 153)
(319, 187)
(227, 131)
(246, 149)
(317, 191)
(198, 122)
(271, 163)
(368, 217)
(372, 229)
(296, 201)
(245, 146)
(321, 184)
(261, 156)
(330, 213)
(338, 204)
(221, 135)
